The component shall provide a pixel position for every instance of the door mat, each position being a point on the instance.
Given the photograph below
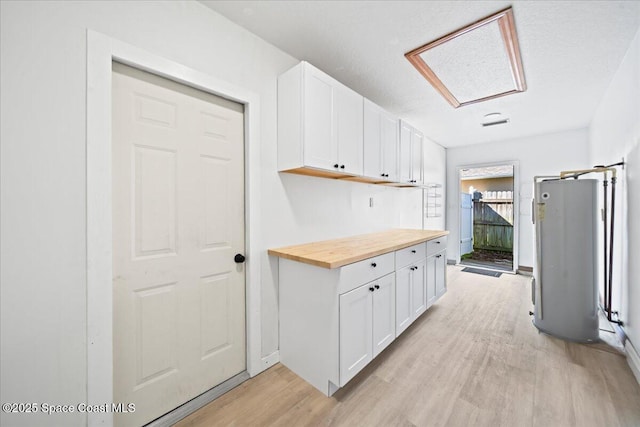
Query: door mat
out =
(481, 271)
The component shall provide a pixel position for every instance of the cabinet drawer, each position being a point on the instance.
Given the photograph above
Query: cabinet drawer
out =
(436, 245)
(410, 255)
(361, 272)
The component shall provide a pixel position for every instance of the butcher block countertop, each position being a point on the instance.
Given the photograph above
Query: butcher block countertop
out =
(339, 252)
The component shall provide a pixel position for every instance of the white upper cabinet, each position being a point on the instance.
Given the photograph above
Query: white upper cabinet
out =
(411, 141)
(320, 123)
(380, 143)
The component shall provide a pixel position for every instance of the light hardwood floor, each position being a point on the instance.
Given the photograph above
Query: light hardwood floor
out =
(474, 359)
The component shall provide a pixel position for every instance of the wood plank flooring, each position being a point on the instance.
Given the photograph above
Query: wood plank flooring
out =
(474, 359)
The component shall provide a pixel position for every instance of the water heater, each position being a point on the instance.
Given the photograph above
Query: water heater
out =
(565, 288)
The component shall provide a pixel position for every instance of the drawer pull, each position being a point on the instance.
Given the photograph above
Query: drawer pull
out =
(413, 251)
(438, 256)
(371, 289)
(438, 241)
(377, 286)
(374, 265)
(336, 166)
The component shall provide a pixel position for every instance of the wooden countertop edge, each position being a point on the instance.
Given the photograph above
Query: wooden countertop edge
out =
(283, 252)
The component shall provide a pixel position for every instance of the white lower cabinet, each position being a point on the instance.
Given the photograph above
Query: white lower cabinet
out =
(431, 280)
(436, 277)
(403, 299)
(411, 294)
(333, 322)
(367, 324)
(411, 291)
(441, 274)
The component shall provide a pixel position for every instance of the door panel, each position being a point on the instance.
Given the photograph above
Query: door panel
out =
(441, 274)
(355, 332)
(418, 290)
(384, 313)
(178, 220)
(416, 157)
(320, 133)
(373, 155)
(403, 299)
(466, 224)
(405, 153)
(389, 141)
(349, 123)
(431, 280)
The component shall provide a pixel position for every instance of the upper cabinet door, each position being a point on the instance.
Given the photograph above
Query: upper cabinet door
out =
(373, 164)
(416, 157)
(319, 129)
(389, 141)
(380, 143)
(348, 107)
(405, 153)
(410, 154)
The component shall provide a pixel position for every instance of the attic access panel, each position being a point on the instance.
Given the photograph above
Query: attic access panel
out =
(475, 63)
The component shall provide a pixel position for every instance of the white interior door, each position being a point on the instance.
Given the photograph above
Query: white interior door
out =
(466, 224)
(178, 221)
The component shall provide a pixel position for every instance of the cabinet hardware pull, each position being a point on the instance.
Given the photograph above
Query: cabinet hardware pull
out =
(371, 289)
(377, 286)
(438, 256)
(336, 165)
(374, 265)
(438, 241)
(413, 251)
(341, 166)
(382, 175)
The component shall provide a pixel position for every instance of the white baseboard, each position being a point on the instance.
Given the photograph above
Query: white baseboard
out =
(270, 360)
(633, 359)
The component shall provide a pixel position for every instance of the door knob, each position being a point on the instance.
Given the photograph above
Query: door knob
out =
(239, 258)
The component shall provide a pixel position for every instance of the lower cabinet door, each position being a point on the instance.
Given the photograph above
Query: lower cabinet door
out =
(431, 280)
(418, 289)
(403, 299)
(356, 335)
(384, 313)
(441, 273)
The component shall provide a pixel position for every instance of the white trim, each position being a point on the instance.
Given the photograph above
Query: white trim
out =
(516, 206)
(101, 51)
(633, 359)
(271, 359)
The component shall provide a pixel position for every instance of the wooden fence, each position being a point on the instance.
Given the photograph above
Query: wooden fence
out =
(493, 225)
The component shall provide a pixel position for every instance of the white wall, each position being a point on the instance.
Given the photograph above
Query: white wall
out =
(615, 133)
(536, 155)
(43, 178)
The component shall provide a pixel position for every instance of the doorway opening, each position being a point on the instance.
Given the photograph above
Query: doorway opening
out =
(487, 217)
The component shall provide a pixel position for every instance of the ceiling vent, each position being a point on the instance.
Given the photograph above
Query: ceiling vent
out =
(475, 63)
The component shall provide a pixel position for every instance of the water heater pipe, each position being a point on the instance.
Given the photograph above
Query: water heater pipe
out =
(608, 249)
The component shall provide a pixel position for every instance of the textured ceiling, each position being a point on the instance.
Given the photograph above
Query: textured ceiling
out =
(570, 51)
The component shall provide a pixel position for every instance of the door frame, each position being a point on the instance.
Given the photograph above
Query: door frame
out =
(516, 206)
(102, 50)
